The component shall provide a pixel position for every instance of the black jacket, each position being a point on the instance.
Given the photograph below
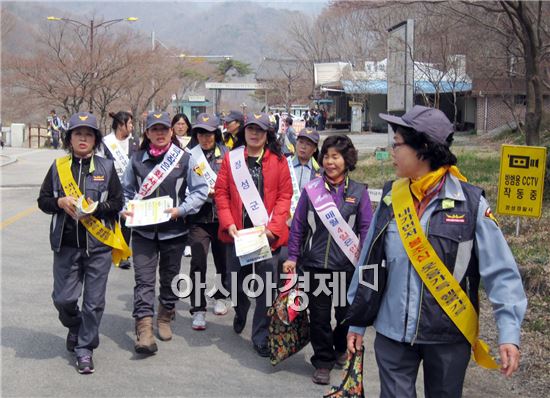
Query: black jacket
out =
(97, 180)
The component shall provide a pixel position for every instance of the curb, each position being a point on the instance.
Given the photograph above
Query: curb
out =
(10, 160)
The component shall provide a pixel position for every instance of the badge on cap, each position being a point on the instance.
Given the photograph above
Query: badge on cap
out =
(205, 119)
(157, 115)
(257, 116)
(85, 117)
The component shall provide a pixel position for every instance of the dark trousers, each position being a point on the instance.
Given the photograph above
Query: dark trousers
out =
(327, 342)
(201, 236)
(444, 368)
(148, 254)
(76, 273)
(267, 271)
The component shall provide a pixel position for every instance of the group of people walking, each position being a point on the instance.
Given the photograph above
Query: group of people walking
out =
(319, 223)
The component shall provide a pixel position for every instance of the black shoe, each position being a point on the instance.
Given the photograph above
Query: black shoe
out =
(321, 376)
(341, 359)
(71, 341)
(84, 364)
(262, 350)
(125, 264)
(238, 324)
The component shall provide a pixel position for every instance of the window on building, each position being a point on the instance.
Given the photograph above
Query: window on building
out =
(520, 99)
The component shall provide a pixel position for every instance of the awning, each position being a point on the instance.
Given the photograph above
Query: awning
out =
(421, 86)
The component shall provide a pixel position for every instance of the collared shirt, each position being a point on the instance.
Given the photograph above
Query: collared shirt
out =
(303, 172)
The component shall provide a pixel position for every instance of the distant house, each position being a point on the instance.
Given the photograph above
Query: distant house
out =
(342, 84)
(484, 105)
(500, 103)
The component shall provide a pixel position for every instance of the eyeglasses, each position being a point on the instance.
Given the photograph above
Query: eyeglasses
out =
(396, 145)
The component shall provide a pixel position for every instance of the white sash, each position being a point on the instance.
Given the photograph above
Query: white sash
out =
(120, 158)
(295, 187)
(160, 172)
(248, 192)
(203, 167)
(333, 221)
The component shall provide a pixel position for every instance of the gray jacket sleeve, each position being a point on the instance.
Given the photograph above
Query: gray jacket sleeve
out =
(500, 276)
(352, 290)
(198, 192)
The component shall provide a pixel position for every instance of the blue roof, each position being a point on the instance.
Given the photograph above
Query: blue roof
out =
(421, 86)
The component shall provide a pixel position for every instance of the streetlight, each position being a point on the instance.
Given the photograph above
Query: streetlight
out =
(92, 26)
(183, 56)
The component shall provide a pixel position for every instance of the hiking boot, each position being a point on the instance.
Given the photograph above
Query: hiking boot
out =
(341, 359)
(187, 251)
(145, 340)
(72, 340)
(220, 307)
(199, 320)
(238, 324)
(85, 364)
(164, 317)
(321, 376)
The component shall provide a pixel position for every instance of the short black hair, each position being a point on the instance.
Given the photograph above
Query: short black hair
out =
(435, 153)
(289, 121)
(120, 118)
(342, 144)
(69, 133)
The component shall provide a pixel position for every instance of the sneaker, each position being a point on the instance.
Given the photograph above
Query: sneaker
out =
(84, 364)
(187, 251)
(199, 320)
(72, 340)
(220, 308)
(125, 264)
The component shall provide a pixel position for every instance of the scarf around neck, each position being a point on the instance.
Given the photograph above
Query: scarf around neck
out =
(422, 186)
(156, 151)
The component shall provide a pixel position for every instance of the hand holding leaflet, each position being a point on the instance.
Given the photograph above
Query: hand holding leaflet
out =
(251, 245)
(149, 211)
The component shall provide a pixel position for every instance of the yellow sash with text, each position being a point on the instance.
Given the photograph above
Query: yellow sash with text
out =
(113, 239)
(435, 275)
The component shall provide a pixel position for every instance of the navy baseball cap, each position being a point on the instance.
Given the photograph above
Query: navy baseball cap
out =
(422, 119)
(207, 122)
(83, 119)
(310, 134)
(230, 116)
(157, 118)
(260, 119)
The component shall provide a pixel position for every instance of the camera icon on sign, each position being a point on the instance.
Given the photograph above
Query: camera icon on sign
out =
(522, 162)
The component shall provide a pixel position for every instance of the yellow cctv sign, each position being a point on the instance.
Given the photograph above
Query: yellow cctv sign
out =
(521, 180)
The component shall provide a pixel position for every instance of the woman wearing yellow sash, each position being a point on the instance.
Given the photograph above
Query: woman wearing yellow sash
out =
(82, 256)
(432, 241)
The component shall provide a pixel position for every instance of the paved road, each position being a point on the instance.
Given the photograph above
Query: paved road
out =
(213, 363)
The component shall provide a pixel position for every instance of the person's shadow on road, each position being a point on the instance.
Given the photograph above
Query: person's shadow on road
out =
(33, 344)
